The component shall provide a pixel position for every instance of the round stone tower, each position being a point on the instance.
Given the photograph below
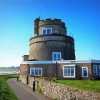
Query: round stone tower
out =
(51, 41)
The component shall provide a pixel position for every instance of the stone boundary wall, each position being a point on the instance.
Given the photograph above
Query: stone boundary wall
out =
(62, 92)
(23, 79)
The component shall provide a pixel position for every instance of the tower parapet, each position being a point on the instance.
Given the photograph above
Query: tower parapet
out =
(49, 26)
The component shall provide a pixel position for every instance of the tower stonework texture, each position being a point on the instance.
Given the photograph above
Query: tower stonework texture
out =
(51, 41)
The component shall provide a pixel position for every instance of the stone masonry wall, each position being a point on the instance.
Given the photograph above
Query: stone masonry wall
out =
(62, 92)
(22, 78)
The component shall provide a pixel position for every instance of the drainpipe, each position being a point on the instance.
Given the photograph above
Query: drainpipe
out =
(56, 69)
(28, 73)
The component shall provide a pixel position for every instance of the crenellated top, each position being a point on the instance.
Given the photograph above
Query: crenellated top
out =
(49, 26)
(52, 22)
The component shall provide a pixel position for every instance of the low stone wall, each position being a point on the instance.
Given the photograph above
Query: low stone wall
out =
(62, 92)
(22, 78)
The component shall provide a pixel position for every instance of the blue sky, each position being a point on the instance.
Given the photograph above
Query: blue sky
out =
(82, 18)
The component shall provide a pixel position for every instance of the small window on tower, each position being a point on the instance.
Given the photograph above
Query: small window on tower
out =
(47, 31)
(56, 55)
(44, 31)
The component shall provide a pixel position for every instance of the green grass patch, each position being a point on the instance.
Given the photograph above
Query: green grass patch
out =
(5, 91)
(91, 85)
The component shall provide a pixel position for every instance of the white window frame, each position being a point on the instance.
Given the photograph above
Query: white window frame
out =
(46, 30)
(83, 72)
(69, 76)
(56, 54)
(34, 69)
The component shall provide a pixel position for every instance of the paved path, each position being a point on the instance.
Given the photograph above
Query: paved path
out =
(24, 92)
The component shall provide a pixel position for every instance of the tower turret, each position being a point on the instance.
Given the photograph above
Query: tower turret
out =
(51, 41)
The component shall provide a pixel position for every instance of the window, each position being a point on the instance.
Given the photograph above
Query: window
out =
(84, 71)
(99, 70)
(69, 71)
(44, 31)
(95, 70)
(47, 31)
(56, 55)
(36, 71)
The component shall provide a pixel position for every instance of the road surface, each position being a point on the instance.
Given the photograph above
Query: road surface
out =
(24, 92)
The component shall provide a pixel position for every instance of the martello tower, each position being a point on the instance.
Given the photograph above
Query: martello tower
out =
(51, 41)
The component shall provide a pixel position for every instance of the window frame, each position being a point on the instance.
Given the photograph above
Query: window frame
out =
(99, 70)
(83, 72)
(55, 53)
(34, 71)
(46, 31)
(69, 76)
(95, 70)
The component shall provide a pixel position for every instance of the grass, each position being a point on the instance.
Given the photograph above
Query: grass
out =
(38, 89)
(91, 85)
(5, 91)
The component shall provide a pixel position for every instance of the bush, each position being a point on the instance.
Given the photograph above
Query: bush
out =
(4, 96)
(38, 89)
